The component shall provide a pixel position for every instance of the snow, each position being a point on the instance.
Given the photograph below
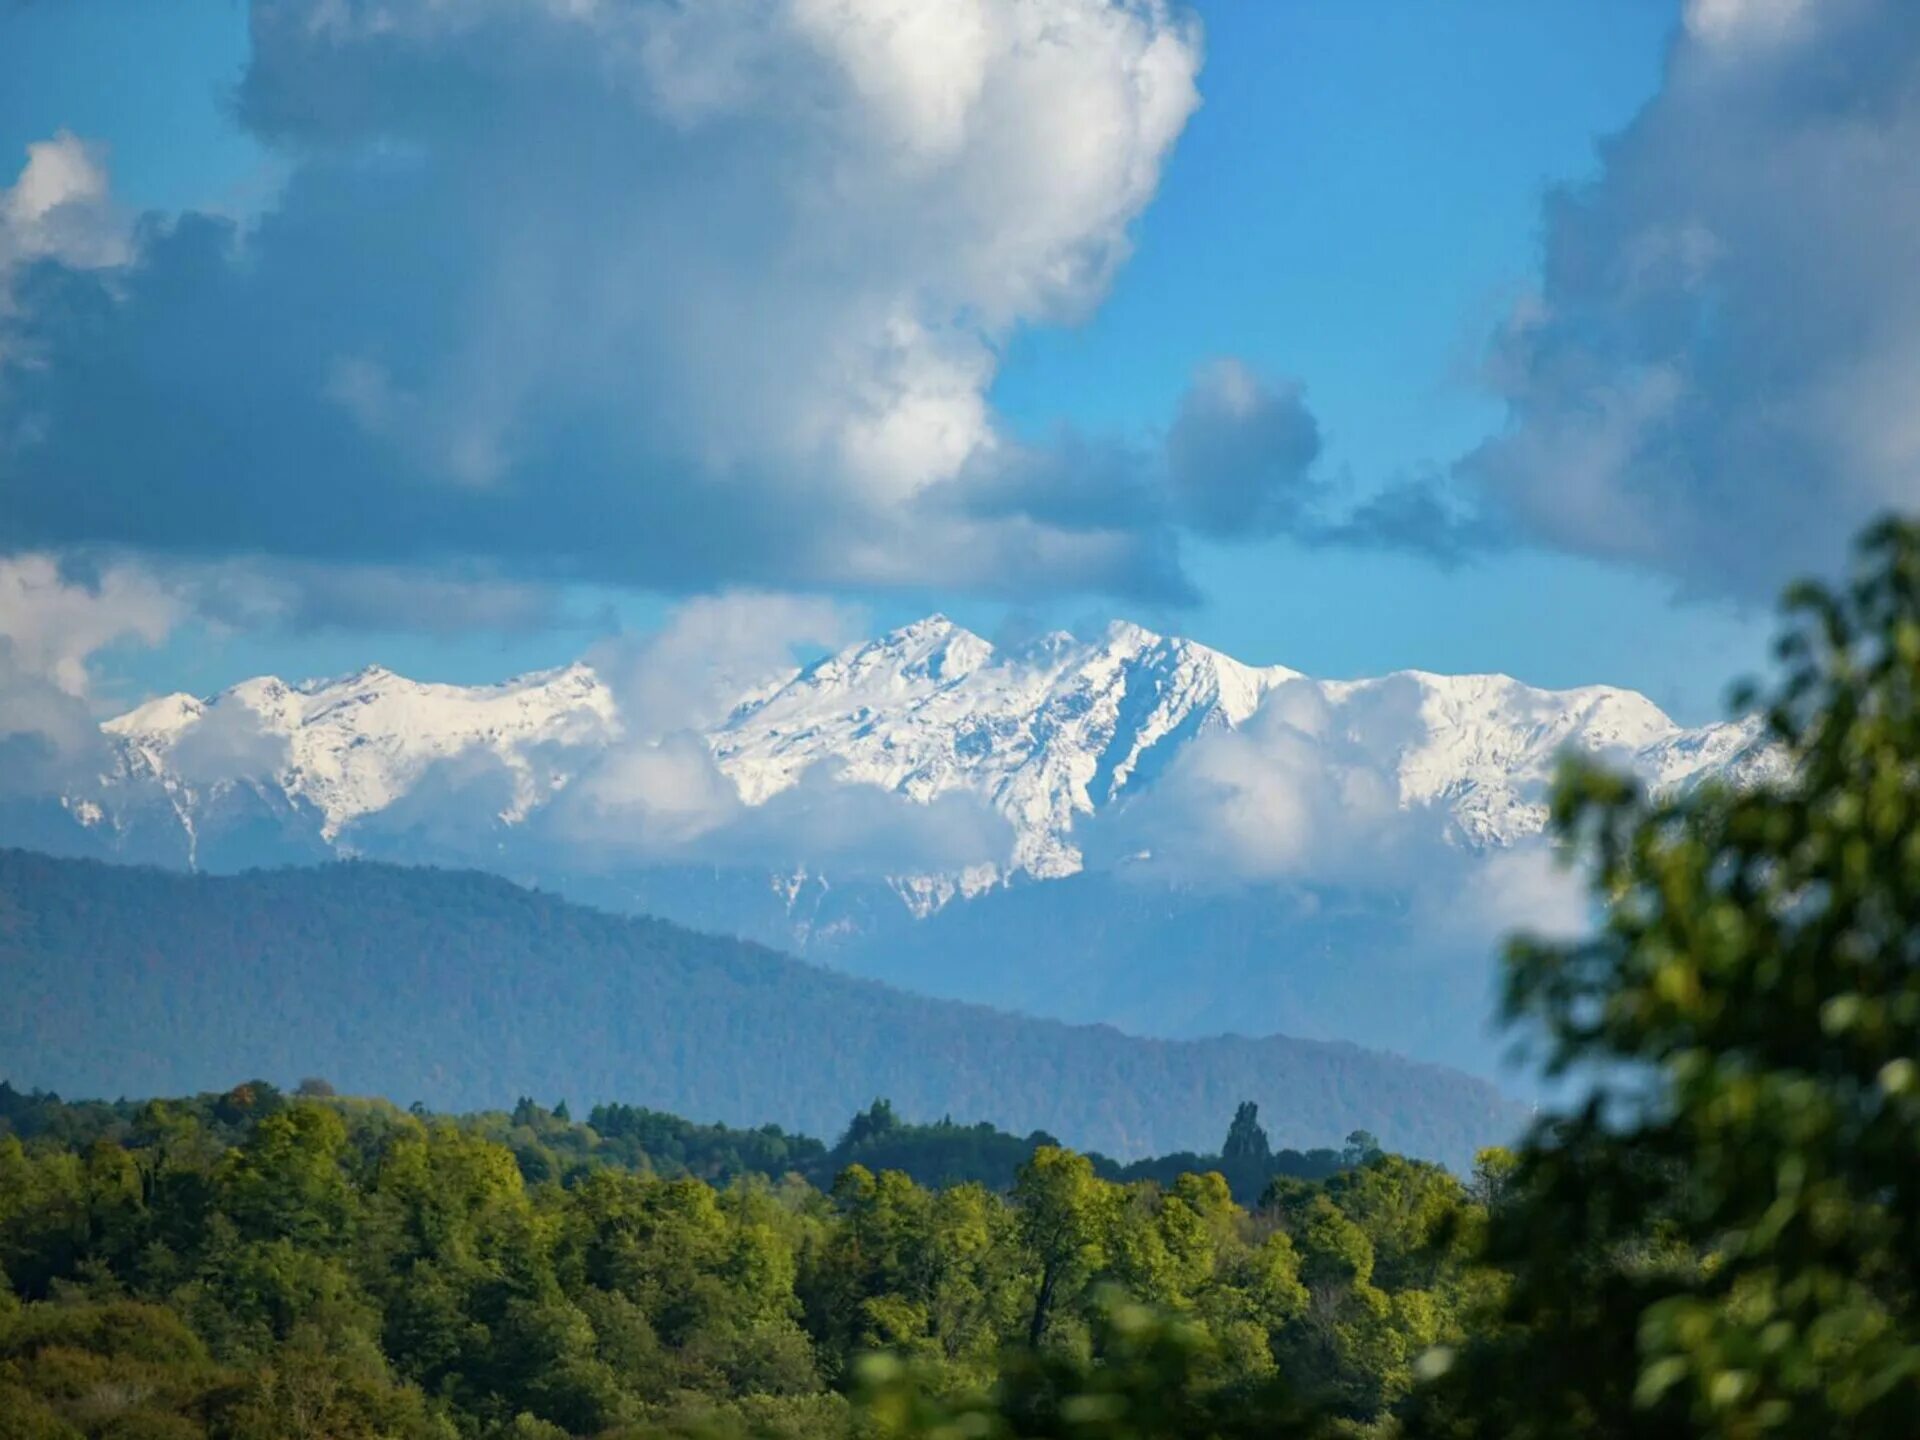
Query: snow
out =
(1047, 733)
(166, 716)
(357, 744)
(1050, 731)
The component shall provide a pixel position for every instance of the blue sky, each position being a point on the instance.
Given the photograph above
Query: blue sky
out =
(1356, 204)
(1355, 207)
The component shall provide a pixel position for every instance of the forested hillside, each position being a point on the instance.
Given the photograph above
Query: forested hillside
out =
(462, 991)
(251, 1267)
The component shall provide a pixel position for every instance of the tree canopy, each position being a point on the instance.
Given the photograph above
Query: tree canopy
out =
(1725, 1238)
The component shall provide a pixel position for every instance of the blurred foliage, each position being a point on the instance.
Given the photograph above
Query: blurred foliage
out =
(1725, 1239)
(1146, 1375)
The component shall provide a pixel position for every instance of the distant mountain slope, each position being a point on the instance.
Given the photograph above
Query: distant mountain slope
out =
(1048, 734)
(463, 991)
(1184, 962)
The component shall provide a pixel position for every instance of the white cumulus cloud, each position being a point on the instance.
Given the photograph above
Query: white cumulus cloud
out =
(685, 296)
(1715, 378)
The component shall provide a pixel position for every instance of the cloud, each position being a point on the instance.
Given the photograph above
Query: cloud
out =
(1716, 376)
(657, 795)
(450, 813)
(53, 622)
(60, 209)
(654, 793)
(48, 738)
(1419, 515)
(1299, 813)
(1242, 462)
(674, 296)
(652, 798)
(305, 596)
(1522, 890)
(1306, 795)
(1239, 453)
(1296, 795)
(229, 742)
(849, 830)
(712, 650)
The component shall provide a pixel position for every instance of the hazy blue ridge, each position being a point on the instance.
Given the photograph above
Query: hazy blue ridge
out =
(463, 991)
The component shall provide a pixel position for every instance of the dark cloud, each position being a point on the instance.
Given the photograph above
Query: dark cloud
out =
(1421, 516)
(1717, 376)
(303, 596)
(1241, 462)
(1241, 453)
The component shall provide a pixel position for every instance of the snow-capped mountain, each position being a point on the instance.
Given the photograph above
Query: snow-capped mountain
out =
(341, 749)
(1053, 731)
(1048, 734)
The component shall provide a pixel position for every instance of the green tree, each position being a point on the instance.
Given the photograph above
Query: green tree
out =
(876, 1120)
(1726, 1239)
(287, 1181)
(1492, 1182)
(1149, 1376)
(1066, 1214)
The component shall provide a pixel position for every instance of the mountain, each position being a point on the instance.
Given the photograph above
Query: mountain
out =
(463, 991)
(320, 755)
(1049, 735)
(1111, 798)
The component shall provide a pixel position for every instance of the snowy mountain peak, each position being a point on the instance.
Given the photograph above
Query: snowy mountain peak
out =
(1126, 636)
(367, 677)
(928, 628)
(1049, 734)
(163, 715)
(933, 650)
(353, 745)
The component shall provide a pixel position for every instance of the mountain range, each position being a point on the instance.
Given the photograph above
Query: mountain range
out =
(1096, 816)
(1048, 735)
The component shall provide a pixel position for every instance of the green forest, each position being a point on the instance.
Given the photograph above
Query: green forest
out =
(250, 1263)
(1722, 1239)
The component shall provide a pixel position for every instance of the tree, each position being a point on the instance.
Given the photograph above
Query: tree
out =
(1246, 1141)
(1156, 1377)
(1725, 1240)
(286, 1181)
(876, 1120)
(1492, 1179)
(1065, 1215)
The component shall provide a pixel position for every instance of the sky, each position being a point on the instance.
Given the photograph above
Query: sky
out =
(1532, 336)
